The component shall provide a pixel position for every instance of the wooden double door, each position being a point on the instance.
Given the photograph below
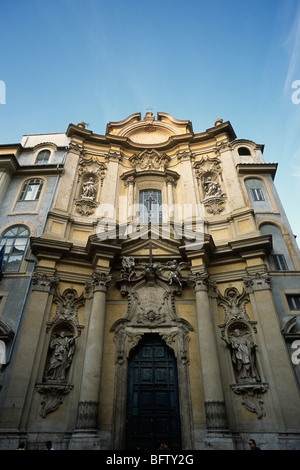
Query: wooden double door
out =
(153, 413)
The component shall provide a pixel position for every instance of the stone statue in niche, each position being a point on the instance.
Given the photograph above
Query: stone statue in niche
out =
(62, 350)
(89, 189)
(212, 188)
(243, 355)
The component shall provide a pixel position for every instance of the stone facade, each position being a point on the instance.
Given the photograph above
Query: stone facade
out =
(151, 231)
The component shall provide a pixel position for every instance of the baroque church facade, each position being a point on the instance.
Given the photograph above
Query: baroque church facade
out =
(150, 291)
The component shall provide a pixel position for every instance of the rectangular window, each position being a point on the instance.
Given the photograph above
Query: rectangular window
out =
(31, 190)
(280, 263)
(257, 194)
(150, 206)
(293, 301)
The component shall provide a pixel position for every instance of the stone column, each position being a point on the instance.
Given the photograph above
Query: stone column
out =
(87, 417)
(215, 410)
(130, 197)
(278, 368)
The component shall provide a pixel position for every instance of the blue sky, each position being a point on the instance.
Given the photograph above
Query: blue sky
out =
(65, 61)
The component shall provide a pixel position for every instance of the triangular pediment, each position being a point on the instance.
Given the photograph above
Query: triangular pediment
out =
(143, 248)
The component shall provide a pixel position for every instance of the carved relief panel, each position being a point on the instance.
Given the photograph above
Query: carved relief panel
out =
(91, 174)
(151, 309)
(238, 332)
(64, 331)
(209, 176)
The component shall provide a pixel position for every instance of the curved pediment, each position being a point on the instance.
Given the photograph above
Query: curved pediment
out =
(149, 131)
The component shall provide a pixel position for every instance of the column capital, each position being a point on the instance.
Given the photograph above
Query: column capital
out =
(257, 281)
(43, 282)
(100, 281)
(200, 280)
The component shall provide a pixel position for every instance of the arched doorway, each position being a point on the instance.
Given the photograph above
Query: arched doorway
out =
(152, 413)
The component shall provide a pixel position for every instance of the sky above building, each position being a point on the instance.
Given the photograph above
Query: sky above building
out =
(66, 61)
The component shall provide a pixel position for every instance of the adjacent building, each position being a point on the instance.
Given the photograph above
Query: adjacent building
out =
(150, 291)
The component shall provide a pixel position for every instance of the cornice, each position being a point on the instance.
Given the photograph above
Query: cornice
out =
(49, 248)
(36, 170)
(210, 134)
(257, 168)
(9, 163)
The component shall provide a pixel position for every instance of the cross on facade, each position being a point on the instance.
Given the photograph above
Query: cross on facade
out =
(150, 200)
(150, 252)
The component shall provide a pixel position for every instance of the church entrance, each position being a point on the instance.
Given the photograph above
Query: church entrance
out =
(152, 414)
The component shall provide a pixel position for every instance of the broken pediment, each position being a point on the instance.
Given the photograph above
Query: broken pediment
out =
(149, 131)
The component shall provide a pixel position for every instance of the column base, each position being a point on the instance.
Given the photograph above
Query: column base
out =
(84, 440)
(218, 440)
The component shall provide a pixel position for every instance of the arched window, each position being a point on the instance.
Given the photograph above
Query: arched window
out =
(150, 206)
(244, 151)
(43, 156)
(15, 240)
(279, 259)
(31, 190)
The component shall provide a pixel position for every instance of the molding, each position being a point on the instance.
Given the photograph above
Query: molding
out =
(257, 169)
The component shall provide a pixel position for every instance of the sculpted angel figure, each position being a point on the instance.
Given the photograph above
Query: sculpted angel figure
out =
(174, 274)
(128, 264)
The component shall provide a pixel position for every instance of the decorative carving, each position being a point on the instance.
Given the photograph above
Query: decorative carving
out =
(150, 305)
(128, 270)
(91, 166)
(242, 353)
(234, 304)
(237, 334)
(52, 398)
(87, 415)
(208, 173)
(85, 206)
(174, 274)
(252, 399)
(91, 171)
(151, 308)
(60, 356)
(100, 280)
(200, 280)
(149, 160)
(43, 282)
(216, 417)
(67, 305)
(257, 281)
(61, 351)
(89, 189)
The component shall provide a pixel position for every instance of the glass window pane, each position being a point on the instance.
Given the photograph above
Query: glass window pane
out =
(15, 240)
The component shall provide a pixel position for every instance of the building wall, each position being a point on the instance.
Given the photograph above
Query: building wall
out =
(226, 282)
